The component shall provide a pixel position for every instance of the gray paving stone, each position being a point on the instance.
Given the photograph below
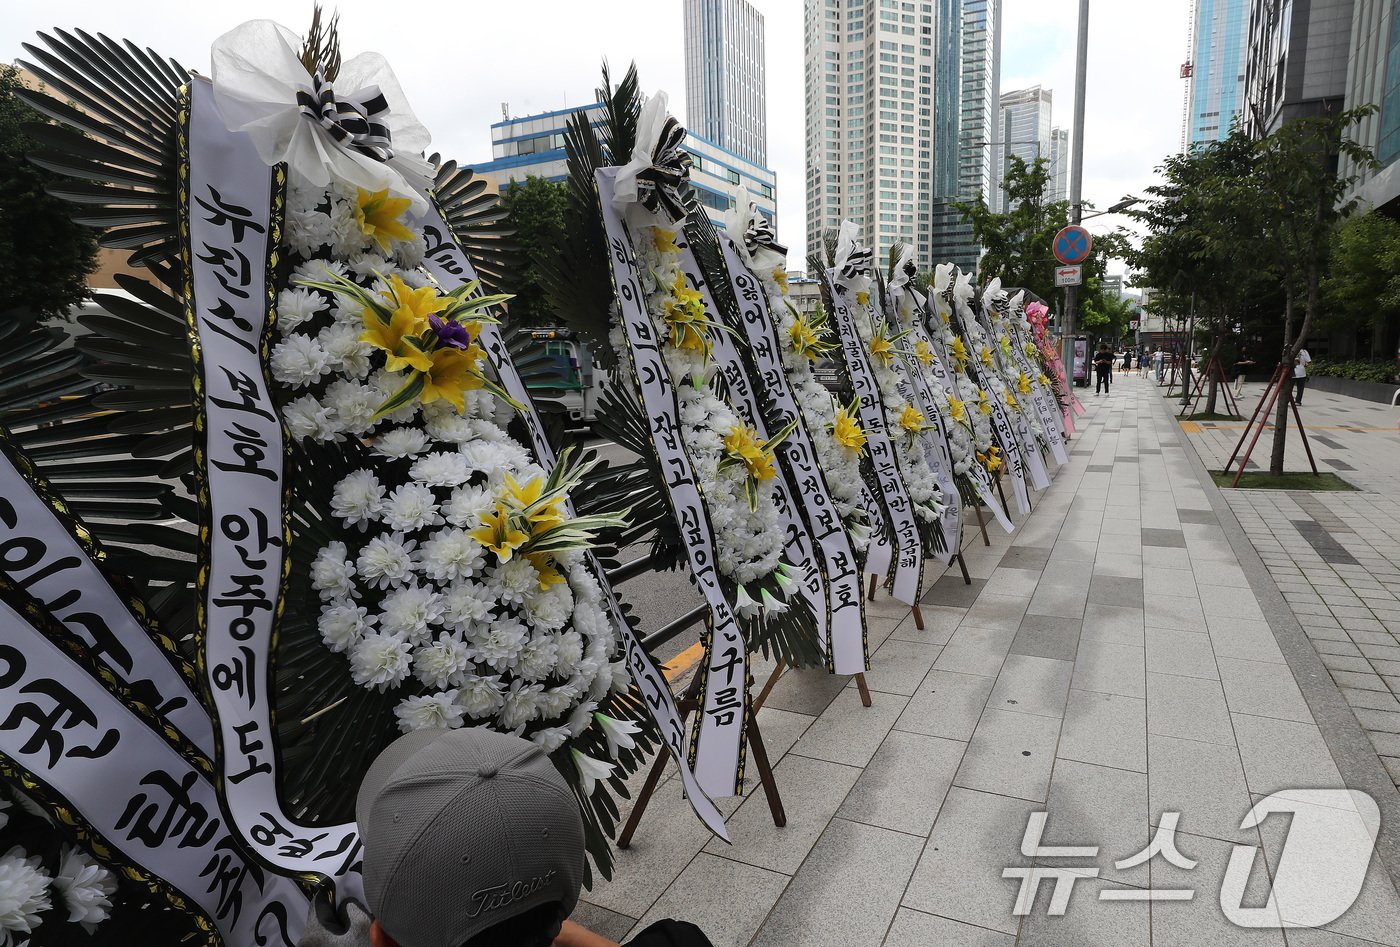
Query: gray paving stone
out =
(1114, 625)
(1029, 558)
(1180, 652)
(1238, 638)
(1032, 685)
(1116, 590)
(1173, 611)
(1106, 729)
(601, 921)
(1204, 782)
(1048, 636)
(805, 692)
(993, 610)
(951, 590)
(1280, 755)
(1171, 538)
(1103, 806)
(848, 733)
(904, 785)
(1188, 707)
(899, 666)
(1010, 753)
(728, 921)
(946, 705)
(1088, 919)
(974, 650)
(1110, 669)
(940, 621)
(959, 874)
(917, 929)
(1201, 921)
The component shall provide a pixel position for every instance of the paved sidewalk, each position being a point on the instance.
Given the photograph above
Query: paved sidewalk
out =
(1061, 682)
(1335, 555)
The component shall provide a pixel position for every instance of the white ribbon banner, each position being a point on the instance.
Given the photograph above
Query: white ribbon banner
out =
(449, 265)
(717, 748)
(51, 556)
(117, 778)
(1030, 447)
(908, 548)
(228, 215)
(838, 565)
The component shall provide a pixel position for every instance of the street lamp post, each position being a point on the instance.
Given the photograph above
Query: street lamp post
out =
(1076, 172)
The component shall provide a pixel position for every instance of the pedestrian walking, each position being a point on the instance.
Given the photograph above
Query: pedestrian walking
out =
(1300, 377)
(1103, 368)
(1157, 359)
(1127, 359)
(1243, 363)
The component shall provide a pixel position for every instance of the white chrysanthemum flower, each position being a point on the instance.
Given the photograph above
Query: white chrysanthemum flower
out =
(353, 405)
(307, 417)
(556, 701)
(365, 265)
(346, 311)
(342, 625)
(499, 642)
(380, 661)
(590, 619)
(582, 717)
(521, 705)
(441, 469)
(357, 498)
(517, 579)
(569, 653)
(409, 253)
(318, 271)
(331, 573)
(345, 353)
(409, 612)
(344, 233)
(481, 695)
(413, 277)
(411, 507)
(388, 384)
(302, 195)
(306, 232)
(86, 888)
(401, 442)
(621, 677)
(386, 561)
(439, 711)
(584, 584)
(467, 504)
(549, 609)
(442, 663)
(451, 555)
(495, 460)
(466, 605)
(448, 427)
(536, 659)
(24, 895)
(298, 305)
(298, 361)
(550, 738)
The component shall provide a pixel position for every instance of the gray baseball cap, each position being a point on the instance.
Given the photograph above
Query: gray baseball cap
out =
(464, 829)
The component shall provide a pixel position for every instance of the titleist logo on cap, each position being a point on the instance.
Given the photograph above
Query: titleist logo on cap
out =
(498, 896)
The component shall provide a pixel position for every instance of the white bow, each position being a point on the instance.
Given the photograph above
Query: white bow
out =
(852, 260)
(263, 90)
(902, 289)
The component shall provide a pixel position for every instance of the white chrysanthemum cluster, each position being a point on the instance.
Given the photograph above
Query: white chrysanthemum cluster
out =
(1008, 366)
(978, 425)
(749, 541)
(841, 464)
(919, 480)
(419, 593)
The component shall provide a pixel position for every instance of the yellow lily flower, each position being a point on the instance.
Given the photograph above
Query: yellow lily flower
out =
(780, 277)
(1024, 383)
(1011, 402)
(684, 313)
(960, 356)
(546, 516)
(983, 404)
(804, 339)
(862, 298)
(911, 419)
(847, 430)
(544, 565)
(379, 215)
(498, 535)
(409, 319)
(1044, 380)
(923, 352)
(882, 348)
(957, 409)
(743, 445)
(994, 461)
(986, 356)
(664, 240)
(451, 374)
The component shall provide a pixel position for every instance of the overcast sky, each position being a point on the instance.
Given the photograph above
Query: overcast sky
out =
(458, 62)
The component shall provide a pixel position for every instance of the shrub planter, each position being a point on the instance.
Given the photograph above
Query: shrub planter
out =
(1365, 390)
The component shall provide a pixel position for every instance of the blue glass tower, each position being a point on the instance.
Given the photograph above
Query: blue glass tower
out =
(1220, 44)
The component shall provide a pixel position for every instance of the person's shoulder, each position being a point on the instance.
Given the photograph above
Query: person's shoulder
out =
(670, 933)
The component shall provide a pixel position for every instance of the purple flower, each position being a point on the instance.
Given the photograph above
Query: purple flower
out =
(451, 334)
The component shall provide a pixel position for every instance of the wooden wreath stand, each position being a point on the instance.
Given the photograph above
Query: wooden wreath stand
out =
(689, 704)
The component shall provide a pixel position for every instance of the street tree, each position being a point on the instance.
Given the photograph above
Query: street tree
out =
(535, 212)
(1302, 199)
(1361, 287)
(47, 257)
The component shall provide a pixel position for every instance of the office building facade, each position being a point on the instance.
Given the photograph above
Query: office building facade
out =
(1023, 130)
(725, 91)
(1059, 164)
(869, 75)
(1219, 50)
(533, 146)
(1297, 60)
(1373, 77)
(979, 64)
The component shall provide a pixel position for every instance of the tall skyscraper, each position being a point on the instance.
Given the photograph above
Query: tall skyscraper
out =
(1219, 48)
(979, 65)
(725, 93)
(1297, 60)
(1059, 164)
(1024, 129)
(869, 71)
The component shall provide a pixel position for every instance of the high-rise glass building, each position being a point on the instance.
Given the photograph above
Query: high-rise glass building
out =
(979, 66)
(1059, 164)
(870, 69)
(1220, 46)
(725, 95)
(1296, 65)
(1023, 131)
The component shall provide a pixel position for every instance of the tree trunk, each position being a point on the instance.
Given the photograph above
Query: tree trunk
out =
(1218, 337)
(1285, 386)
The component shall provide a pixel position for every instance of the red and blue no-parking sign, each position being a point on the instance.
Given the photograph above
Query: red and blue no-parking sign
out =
(1072, 245)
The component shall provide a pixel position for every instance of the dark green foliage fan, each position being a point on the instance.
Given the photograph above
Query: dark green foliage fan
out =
(479, 223)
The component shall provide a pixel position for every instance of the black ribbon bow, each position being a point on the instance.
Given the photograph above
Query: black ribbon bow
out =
(760, 234)
(858, 263)
(357, 121)
(664, 187)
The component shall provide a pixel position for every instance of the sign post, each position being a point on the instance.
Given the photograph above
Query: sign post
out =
(1069, 275)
